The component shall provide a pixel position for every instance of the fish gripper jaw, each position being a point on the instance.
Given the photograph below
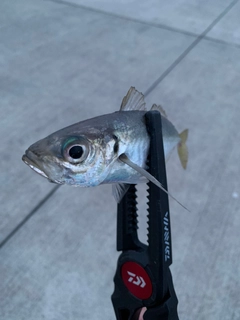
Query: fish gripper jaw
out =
(143, 279)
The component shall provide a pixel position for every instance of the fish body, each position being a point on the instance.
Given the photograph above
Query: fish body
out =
(89, 153)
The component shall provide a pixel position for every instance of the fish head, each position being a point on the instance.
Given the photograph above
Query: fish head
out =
(70, 157)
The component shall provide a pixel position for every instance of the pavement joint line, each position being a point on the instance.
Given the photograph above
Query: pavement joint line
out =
(31, 213)
(148, 23)
(115, 15)
(192, 45)
(220, 41)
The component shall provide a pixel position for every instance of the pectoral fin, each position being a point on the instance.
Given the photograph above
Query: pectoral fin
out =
(147, 175)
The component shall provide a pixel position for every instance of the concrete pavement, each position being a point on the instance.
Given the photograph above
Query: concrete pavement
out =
(62, 62)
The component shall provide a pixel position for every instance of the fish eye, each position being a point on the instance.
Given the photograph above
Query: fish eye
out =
(75, 151)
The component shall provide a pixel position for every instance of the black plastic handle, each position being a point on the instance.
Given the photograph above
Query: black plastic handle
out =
(143, 277)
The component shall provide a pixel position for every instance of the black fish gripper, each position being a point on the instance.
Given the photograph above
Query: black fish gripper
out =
(143, 278)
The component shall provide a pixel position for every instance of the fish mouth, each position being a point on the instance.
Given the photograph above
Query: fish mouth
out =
(28, 159)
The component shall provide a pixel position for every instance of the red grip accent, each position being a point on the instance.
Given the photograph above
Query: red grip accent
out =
(136, 280)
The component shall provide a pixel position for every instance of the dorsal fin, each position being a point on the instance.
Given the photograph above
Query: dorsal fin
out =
(134, 100)
(160, 109)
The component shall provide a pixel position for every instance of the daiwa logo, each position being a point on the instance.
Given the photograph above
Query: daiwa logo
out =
(167, 249)
(139, 281)
(136, 280)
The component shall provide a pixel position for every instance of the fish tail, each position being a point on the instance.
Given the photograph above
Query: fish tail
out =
(182, 148)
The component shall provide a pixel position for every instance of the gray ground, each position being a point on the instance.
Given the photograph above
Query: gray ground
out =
(64, 61)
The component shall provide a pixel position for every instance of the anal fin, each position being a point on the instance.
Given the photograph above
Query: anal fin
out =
(119, 190)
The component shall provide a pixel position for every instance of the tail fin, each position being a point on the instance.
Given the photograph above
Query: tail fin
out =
(182, 148)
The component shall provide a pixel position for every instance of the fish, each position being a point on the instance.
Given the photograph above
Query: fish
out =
(108, 149)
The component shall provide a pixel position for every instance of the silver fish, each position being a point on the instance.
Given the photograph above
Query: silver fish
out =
(111, 148)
